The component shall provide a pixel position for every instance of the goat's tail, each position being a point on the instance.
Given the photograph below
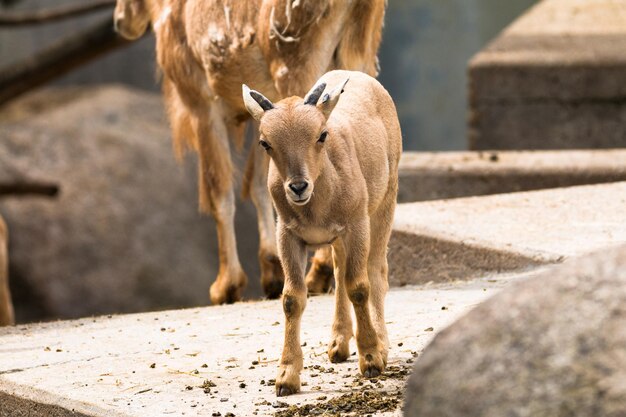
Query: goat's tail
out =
(180, 121)
(182, 135)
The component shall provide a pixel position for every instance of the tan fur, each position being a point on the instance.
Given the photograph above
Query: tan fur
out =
(348, 203)
(7, 316)
(206, 49)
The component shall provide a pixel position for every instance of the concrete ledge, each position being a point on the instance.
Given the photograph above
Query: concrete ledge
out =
(554, 79)
(154, 364)
(442, 175)
(463, 238)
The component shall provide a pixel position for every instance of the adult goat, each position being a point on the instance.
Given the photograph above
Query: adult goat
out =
(206, 49)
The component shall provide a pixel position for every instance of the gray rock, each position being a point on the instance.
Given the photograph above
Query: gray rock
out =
(124, 234)
(554, 79)
(554, 345)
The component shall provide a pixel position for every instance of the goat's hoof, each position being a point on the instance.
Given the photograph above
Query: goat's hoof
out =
(284, 391)
(273, 289)
(371, 365)
(339, 349)
(272, 278)
(231, 295)
(319, 278)
(228, 290)
(371, 372)
(288, 381)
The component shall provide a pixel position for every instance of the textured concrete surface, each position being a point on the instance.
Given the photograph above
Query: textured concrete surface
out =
(441, 175)
(554, 79)
(153, 364)
(549, 346)
(465, 237)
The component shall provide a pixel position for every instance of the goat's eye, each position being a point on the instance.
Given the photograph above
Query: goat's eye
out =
(265, 145)
(322, 138)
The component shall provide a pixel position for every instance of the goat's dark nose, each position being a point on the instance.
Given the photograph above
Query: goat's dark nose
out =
(298, 187)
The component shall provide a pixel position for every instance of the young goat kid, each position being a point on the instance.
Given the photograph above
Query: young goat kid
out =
(334, 179)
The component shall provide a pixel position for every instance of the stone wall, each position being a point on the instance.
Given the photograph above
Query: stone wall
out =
(553, 80)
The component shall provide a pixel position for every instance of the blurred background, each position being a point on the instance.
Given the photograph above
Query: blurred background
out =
(124, 234)
(423, 57)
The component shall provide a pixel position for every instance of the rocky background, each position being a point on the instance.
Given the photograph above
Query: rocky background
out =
(124, 234)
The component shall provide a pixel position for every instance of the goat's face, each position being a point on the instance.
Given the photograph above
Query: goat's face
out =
(294, 133)
(131, 18)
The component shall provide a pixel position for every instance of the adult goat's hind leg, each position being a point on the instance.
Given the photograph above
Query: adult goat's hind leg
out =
(217, 197)
(320, 275)
(255, 185)
(6, 307)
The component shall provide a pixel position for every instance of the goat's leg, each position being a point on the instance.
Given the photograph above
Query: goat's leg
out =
(354, 251)
(218, 198)
(272, 278)
(6, 306)
(377, 269)
(339, 346)
(320, 276)
(293, 256)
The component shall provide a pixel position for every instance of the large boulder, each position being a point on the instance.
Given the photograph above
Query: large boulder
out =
(554, 345)
(124, 234)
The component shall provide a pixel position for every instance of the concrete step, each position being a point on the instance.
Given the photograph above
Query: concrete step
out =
(467, 237)
(441, 175)
(554, 79)
(154, 364)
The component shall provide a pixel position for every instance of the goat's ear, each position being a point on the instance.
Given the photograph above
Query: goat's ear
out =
(330, 100)
(256, 103)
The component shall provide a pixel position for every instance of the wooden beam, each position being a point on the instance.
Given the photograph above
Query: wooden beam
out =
(59, 59)
(29, 188)
(53, 15)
